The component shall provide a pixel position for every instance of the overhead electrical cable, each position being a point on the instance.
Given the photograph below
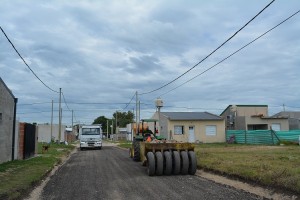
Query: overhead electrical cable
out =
(231, 54)
(66, 101)
(30, 104)
(26, 63)
(129, 101)
(210, 53)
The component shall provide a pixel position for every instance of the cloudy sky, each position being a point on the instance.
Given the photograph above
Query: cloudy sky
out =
(101, 52)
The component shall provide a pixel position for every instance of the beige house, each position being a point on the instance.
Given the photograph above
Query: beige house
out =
(252, 117)
(191, 126)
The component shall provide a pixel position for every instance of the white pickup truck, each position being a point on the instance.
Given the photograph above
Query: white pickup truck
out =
(90, 136)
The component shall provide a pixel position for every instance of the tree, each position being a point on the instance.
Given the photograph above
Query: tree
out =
(103, 121)
(123, 118)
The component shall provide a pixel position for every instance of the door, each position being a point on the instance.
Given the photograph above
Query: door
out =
(191, 134)
(29, 141)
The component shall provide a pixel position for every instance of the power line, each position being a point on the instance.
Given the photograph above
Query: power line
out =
(210, 53)
(95, 103)
(129, 101)
(30, 104)
(66, 102)
(231, 54)
(25, 62)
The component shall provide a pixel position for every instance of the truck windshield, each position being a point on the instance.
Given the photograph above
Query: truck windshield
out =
(90, 131)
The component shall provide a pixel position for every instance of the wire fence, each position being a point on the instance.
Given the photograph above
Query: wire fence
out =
(269, 137)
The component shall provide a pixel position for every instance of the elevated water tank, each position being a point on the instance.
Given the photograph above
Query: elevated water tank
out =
(159, 103)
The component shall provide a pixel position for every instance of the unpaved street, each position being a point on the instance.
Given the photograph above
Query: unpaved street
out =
(110, 174)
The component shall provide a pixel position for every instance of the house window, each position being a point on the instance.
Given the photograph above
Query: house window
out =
(0, 117)
(178, 130)
(211, 130)
(276, 127)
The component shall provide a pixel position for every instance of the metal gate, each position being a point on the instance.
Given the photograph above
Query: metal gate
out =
(29, 141)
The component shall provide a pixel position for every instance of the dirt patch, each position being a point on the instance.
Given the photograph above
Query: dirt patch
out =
(259, 191)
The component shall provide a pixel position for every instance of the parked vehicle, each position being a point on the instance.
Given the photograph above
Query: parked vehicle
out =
(90, 136)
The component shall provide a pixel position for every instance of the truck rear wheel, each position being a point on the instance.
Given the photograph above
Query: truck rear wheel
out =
(151, 164)
(159, 163)
(193, 162)
(176, 162)
(184, 163)
(167, 163)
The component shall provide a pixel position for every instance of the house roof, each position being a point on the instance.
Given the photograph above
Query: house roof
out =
(191, 116)
(288, 114)
(243, 106)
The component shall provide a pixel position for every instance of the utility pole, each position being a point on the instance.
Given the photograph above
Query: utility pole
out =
(112, 128)
(72, 120)
(139, 111)
(136, 112)
(117, 122)
(51, 122)
(107, 130)
(59, 116)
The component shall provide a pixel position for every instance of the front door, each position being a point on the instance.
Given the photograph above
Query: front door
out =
(191, 134)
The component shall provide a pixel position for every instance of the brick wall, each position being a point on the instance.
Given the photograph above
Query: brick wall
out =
(21, 141)
(70, 137)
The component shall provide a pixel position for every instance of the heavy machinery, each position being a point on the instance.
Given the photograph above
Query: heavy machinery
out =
(162, 157)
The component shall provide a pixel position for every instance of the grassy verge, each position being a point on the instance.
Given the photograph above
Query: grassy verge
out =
(124, 143)
(17, 177)
(275, 166)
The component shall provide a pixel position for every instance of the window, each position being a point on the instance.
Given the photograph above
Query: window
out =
(178, 130)
(211, 130)
(0, 117)
(90, 131)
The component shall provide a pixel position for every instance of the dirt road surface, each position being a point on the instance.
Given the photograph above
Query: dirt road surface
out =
(110, 174)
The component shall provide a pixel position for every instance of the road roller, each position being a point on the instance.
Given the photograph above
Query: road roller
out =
(161, 156)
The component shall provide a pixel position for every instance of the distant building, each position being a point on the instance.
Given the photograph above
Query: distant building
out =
(252, 117)
(293, 118)
(191, 126)
(7, 123)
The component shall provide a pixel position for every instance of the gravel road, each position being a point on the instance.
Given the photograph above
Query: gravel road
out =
(110, 174)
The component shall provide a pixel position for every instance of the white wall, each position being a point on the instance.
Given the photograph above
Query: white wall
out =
(44, 132)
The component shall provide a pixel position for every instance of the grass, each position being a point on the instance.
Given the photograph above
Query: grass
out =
(17, 177)
(275, 166)
(124, 143)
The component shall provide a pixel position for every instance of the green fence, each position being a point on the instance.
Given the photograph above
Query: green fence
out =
(261, 136)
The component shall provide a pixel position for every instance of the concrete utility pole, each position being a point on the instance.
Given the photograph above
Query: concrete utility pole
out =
(59, 117)
(72, 120)
(136, 111)
(117, 122)
(51, 122)
(107, 130)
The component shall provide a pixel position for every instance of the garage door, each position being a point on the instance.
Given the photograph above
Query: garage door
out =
(276, 127)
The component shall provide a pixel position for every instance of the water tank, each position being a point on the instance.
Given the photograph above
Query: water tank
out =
(159, 103)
